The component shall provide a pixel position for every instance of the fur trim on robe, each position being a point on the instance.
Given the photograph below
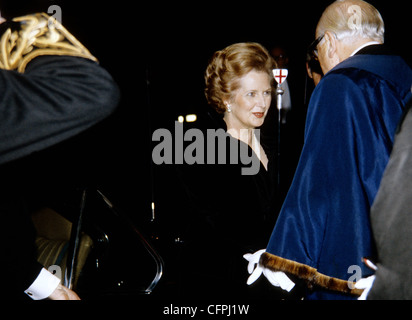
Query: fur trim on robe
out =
(308, 274)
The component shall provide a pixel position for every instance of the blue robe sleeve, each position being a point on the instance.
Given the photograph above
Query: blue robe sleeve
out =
(324, 222)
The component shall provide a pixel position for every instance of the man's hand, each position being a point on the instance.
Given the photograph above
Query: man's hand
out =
(276, 278)
(253, 266)
(365, 284)
(63, 293)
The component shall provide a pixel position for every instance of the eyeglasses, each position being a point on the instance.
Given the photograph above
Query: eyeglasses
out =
(312, 49)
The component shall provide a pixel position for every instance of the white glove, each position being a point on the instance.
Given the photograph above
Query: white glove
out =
(365, 284)
(276, 278)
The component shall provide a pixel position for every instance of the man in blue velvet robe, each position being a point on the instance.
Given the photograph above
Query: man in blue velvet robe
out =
(323, 230)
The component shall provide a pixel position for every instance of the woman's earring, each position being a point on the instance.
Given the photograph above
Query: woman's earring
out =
(229, 108)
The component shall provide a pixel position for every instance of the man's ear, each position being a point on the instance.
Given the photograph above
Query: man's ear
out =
(331, 44)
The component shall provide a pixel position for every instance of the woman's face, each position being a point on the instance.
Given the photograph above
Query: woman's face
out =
(251, 101)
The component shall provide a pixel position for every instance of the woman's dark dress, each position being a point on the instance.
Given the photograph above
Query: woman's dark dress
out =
(232, 214)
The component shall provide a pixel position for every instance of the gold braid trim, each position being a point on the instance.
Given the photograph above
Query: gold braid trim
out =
(310, 275)
(39, 35)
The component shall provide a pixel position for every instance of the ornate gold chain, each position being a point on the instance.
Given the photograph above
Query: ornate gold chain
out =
(39, 35)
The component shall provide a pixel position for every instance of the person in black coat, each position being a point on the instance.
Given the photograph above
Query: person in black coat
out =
(52, 88)
(392, 223)
(233, 202)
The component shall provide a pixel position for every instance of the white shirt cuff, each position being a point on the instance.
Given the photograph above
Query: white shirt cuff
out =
(43, 286)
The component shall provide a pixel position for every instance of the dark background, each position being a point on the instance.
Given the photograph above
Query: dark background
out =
(157, 52)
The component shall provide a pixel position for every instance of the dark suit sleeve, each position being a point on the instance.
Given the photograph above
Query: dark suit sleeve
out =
(18, 264)
(56, 98)
(392, 221)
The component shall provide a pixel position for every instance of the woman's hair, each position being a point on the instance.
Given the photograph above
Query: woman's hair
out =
(227, 66)
(352, 18)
